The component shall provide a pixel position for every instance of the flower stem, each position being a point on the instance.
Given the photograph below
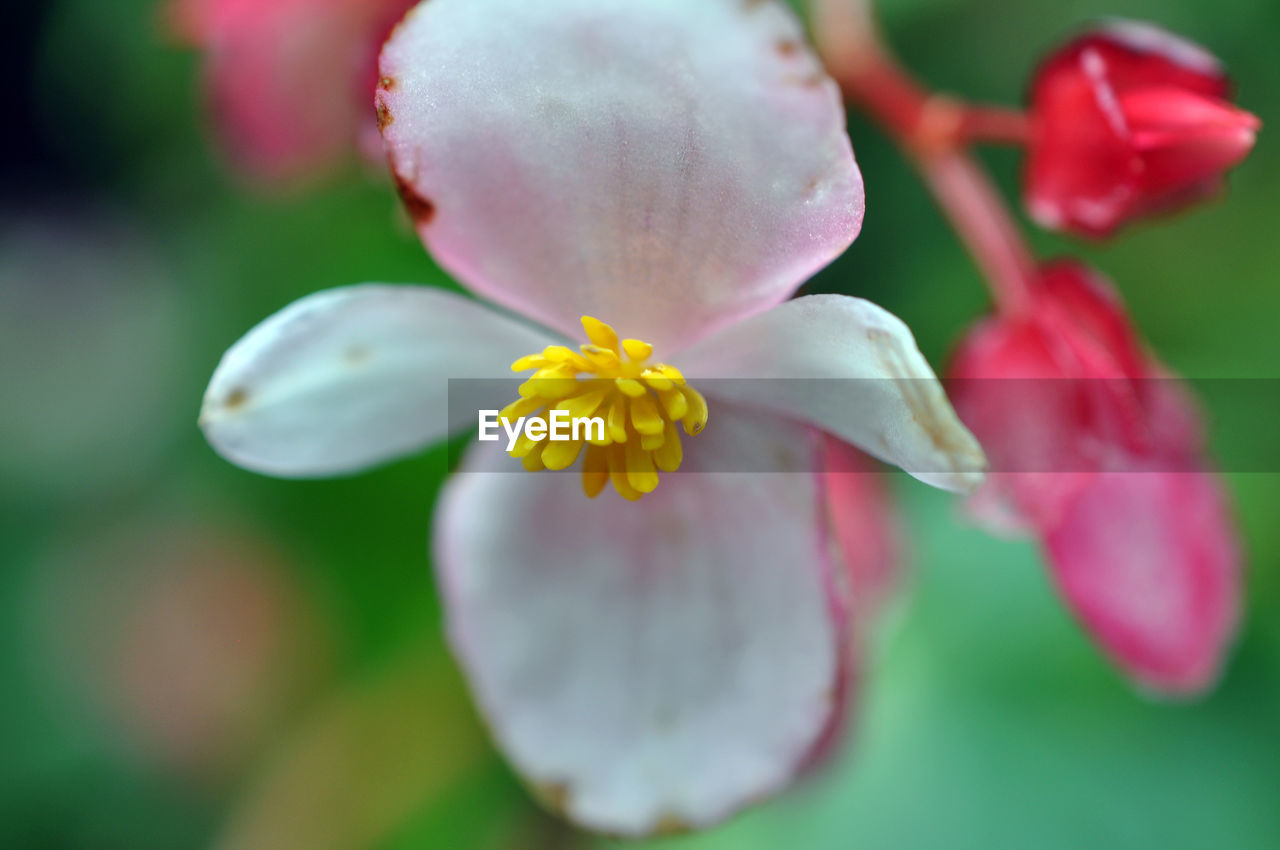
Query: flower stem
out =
(935, 132)
(996, 125)
(978, 214)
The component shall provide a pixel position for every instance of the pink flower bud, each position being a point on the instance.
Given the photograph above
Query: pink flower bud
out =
(1129, 121)
(1098, 453)
(290, 83)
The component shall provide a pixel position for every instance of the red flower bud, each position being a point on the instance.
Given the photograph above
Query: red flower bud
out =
(1129, 121)
(1098, 453)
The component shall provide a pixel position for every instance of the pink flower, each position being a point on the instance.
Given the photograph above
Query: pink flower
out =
(659, 660)
(291, 82)
(1129, 121)
(1098, 453)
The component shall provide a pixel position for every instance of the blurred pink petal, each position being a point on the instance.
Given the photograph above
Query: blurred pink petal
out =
(1149, 561)
(1064, 391)
(205, 650)
(198, 640)
(291, 82)
(351, 377)
(673, 165)
(1025, 394)
(654, 665)
(1098, 452)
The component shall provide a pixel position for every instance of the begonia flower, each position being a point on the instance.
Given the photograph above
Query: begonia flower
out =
(653, 655)
(1097, 452)
(290, 82)
(1128, 121)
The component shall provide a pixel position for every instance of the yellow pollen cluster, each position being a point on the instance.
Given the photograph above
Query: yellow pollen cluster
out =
(639, 403)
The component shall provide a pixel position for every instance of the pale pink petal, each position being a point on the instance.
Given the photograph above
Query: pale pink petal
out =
(348, 378)
(1149, 562)
(850, 368)
(667, 166)
(654, 665)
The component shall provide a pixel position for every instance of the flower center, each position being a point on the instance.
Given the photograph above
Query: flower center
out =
(636, 405)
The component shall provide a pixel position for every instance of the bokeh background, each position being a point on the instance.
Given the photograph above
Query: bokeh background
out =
(193, 656)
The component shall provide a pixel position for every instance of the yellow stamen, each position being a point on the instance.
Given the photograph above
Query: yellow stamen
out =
(532, 462)
(561, 454)
(520, 407)
(618, 474)
(638, 351)
(631, 387)
(561, 354)
(671, 454)
(599, 333)
(671, 372)
(696, 418)
(524, 446)
(612, 379)
(552, 382)
(641, 473)
(657, 380)
(617, 422)
(603, 358)
(584, 405)
(595, 471)
(674, 403)
(644, 415)
(529, 361)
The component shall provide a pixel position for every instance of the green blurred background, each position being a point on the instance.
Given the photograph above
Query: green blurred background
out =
(193, 656)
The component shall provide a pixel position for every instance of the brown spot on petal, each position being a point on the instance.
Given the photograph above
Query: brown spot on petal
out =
(357, 355)
(384, 116)
(669, 825)
(553, 795)
(385, 84)
(420, 209)
(236, 399)
(808, 81)
(788, 48)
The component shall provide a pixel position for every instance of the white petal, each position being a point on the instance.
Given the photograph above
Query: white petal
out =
(667, 166)
(651, 665)
(853, 370)
(351, 377)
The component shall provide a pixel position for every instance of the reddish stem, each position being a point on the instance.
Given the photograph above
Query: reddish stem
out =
(978, 214)
(934, 131)
(996, 125)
